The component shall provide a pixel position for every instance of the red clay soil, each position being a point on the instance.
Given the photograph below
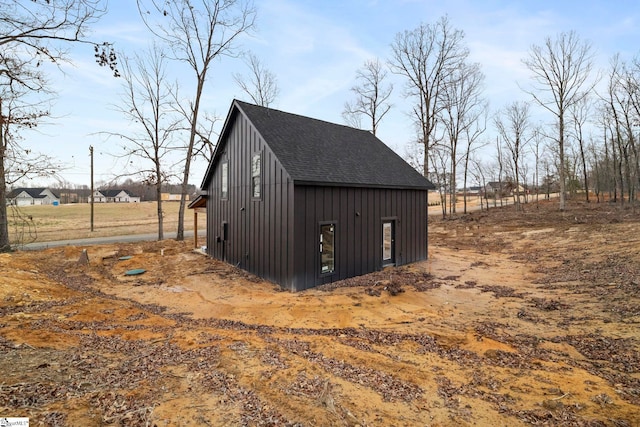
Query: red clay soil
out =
(516, 319)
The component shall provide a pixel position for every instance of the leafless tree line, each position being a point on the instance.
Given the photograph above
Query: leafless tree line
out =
(563, 153)
(444, 87)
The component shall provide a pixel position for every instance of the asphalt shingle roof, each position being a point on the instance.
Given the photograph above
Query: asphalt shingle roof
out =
(35, 193)
(113, 192)
(319, 152)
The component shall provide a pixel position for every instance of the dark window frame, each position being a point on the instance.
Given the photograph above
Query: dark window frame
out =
(394, 236)
(224, 180)
(256, 176)
(321, 247)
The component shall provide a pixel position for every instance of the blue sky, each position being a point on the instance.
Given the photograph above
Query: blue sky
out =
(315, 48)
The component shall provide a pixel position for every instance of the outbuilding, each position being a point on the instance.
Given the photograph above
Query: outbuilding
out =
(303, 202)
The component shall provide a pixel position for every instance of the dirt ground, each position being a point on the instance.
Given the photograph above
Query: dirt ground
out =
(515, 319)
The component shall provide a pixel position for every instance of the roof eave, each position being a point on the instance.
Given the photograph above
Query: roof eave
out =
(361, 185)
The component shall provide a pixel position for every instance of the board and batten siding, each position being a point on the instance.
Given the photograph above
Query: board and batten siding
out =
(358, 214)
(260, 231)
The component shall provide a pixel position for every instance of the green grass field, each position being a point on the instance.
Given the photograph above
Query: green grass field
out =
(48, 223)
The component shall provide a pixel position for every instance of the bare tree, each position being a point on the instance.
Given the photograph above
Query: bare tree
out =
(513, 125)
(463, 107)
(18, 113)
(207, 134)
(477, 170)
(628, 105)
(620, 121)
(197, 31)
(440, 157)
(537, 139)
(472, 138)
(39, 31)
(261, 85)
(561, 70)
(499, 167)
(579, 114)
(147, 102)
(33, 32)
(428, 57)
(371, 96)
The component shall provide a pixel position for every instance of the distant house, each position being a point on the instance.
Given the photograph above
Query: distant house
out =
(502, 189)
(32, 196)
(304, 202)
(471, 191)
(172, 197)
(114, 196)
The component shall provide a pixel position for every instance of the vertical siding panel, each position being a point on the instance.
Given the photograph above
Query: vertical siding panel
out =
(351, 233)
(344, 235)
(265, 220)
(289, 231)
(415, 210)
(370, 212)
(234, 154)
(406, 237)
(312, 263)
(241, 219)
(240, 214)
(246, 201)
(302, 236)
(420, 228)
(265, 216)
(423, 210)
(256, 206)
(410, 219)
(376, 229)
(274, 245)
(275, 188)
(421, 216)
(359, 247)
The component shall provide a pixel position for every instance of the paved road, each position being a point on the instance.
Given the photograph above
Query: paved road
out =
(188, 235)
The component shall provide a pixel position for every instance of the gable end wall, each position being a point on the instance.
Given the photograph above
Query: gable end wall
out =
(260, 232)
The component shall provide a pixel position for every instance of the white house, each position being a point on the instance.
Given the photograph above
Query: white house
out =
(114, 196)
(32, 196)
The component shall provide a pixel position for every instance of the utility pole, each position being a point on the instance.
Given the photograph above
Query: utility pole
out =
(91, 197)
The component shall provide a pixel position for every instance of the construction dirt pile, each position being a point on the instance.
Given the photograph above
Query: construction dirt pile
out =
(515, 319)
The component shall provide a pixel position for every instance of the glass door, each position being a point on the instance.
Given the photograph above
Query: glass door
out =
(388, 243)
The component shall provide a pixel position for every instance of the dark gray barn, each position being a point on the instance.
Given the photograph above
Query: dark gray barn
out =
(303, 202)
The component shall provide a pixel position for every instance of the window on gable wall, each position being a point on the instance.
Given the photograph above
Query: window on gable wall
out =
(256, 172)
(224, 186)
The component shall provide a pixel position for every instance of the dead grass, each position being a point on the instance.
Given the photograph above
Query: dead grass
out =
(49, 223)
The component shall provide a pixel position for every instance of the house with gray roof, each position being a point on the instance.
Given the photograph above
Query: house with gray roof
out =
(114, 196)
(32, 196)
(303, 202)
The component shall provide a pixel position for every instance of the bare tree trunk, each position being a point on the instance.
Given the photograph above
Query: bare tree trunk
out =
(159, 205)
(189, 154)
(5, 245)
(584, 171)
(561, 168)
